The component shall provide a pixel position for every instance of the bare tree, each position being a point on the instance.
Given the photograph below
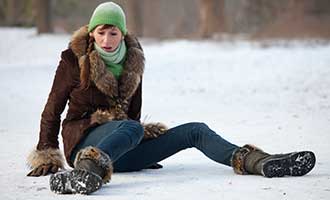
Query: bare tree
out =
(12, 12)
(134, 17)
(43, 18)
(211, 17)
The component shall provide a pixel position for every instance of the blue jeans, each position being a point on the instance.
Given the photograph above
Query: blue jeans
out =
(122, 141)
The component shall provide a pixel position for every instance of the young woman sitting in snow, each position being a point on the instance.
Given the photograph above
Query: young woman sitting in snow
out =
(100, 74)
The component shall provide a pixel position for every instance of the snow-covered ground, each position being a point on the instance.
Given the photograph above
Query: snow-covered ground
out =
(274, 96)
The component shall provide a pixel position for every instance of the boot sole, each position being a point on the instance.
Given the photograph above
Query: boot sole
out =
(294, 164)
(75, 182)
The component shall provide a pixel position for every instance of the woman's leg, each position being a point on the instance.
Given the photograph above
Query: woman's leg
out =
(174, 140)
(92, 163)
(114, 138)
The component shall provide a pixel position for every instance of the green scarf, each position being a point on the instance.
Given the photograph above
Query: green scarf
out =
(113, 60)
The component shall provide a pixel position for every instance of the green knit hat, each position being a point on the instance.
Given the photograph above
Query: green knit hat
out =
(108, 13)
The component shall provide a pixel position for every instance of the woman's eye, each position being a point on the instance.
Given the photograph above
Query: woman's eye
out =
(113, 34)
(101, 33)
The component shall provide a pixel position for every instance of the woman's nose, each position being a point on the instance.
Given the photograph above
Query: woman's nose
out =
(107, 40)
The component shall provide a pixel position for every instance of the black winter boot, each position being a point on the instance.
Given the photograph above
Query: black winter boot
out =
(91, 167)
(251, 160)
(75, 182)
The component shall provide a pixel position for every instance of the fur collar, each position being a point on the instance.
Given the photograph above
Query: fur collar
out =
(104, 80)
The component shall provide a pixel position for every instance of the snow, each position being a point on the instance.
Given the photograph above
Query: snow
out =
(275, 95)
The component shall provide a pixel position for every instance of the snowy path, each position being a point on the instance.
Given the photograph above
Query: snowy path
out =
(276, 97)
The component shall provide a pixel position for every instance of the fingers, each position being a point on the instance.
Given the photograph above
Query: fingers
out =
(153, 131)
(31, 173)
(54, 169)
(43, 170)
(34, 172)
(148, 135)
(39, 171)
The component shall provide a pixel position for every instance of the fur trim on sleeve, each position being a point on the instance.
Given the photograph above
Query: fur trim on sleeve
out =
(46, 156)
(101, 117)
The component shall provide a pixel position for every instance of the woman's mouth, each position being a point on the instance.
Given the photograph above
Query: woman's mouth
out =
(108, 49)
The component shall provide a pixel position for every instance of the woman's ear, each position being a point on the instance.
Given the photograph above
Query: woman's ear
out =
(91, 34)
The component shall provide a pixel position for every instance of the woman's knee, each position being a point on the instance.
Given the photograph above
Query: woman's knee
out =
(199, 126)
(191, 131)
(135, 128)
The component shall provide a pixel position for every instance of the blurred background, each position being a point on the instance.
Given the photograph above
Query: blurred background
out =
(254, 19)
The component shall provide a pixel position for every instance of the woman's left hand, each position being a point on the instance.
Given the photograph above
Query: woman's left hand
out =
(153, 130)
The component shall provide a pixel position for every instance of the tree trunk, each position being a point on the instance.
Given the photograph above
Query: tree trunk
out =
(12, 12)
(210, 21)
(134, 17)
(43, 18)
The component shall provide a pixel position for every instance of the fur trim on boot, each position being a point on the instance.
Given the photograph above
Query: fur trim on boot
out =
(239, 156)
(153, 130)
(47, 156)
(100, 158)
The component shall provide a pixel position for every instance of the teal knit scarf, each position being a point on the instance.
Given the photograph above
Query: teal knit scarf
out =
(113, 60)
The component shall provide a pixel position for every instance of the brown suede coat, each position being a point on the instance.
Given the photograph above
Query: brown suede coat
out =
(102, 101)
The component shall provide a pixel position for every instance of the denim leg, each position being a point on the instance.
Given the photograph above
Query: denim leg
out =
(114, 138)
(174, 140)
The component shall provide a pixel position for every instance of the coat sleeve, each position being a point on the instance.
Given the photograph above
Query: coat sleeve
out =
(57, 99)
(134, 111)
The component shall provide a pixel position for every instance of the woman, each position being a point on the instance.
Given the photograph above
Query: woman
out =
(100, 75)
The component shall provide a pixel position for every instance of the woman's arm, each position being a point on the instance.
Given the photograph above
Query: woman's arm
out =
(134, 111)
(47, 157)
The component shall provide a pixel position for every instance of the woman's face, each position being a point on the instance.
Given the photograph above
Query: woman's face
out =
(107, 37)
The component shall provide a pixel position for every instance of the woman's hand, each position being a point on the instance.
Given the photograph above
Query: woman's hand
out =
(46, 161)
(44, 170)
(153, 130)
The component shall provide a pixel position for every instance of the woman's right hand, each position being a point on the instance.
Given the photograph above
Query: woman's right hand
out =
(44, 170)
(45, 161)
